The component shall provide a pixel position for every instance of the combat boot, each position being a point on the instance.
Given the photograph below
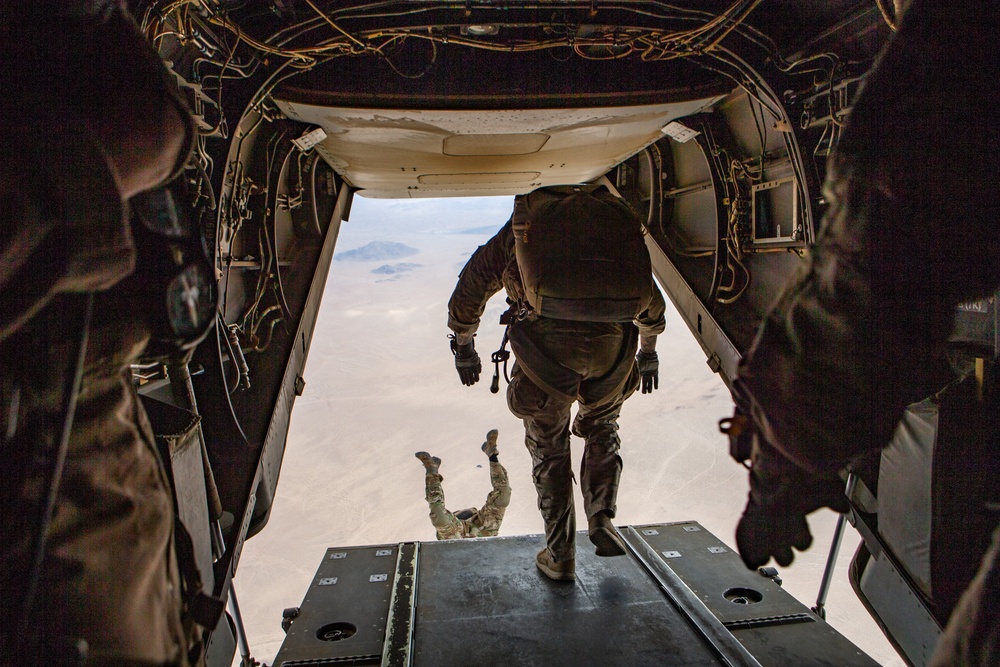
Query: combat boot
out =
(431, 463)
(604, 536)
(557, 570)
(490, 446)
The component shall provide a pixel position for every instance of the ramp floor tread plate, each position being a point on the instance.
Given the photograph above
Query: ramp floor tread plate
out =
(480, 604)
(484, 602)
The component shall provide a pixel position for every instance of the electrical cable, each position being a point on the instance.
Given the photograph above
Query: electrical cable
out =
(262, 346)
(654, 181)
(695, 41)
(224, 218)
(232, 354)
(207, 181)
(273, 243)
(699, 40)
(737, 170)
(430, 65)
(791, 146)
(761, 126)
(262, 277)
(887, 14)
(220, 331)
(334, 25)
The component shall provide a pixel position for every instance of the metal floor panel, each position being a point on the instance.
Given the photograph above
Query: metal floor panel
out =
(680, 597)
(481, 602)
(343, 616)
(775, 627)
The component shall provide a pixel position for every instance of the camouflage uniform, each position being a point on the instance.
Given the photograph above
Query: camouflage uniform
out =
(559, 362)
(910, 233)
(110, 574)
(485, 522)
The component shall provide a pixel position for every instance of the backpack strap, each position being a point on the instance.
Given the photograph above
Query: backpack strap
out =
(202, 608)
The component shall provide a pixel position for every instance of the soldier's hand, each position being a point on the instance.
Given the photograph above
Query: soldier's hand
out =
(649, 371)
(467, 362)
(781, 495)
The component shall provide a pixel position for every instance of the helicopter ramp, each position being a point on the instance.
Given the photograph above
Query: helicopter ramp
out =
(680, 597)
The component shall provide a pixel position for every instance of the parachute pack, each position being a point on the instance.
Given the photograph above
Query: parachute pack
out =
(581, 254)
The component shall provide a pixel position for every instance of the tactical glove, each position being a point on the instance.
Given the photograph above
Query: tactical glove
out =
(467, 362)
(649, 371)
(781, 495)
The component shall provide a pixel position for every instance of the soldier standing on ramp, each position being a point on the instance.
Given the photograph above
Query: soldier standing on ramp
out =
(484, 522)
(574, 264)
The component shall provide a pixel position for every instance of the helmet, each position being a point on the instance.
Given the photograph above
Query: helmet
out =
(467, 513)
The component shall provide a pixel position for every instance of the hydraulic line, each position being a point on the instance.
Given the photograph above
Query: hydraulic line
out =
(241, 633)
(831, 562)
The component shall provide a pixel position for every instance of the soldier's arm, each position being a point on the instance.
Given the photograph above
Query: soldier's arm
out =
(652, 321)
(480, 279)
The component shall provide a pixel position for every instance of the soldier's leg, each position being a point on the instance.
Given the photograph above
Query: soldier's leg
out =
(444, 521)
(546, 435)
(491, 514)
(601, 466)
(500, 495)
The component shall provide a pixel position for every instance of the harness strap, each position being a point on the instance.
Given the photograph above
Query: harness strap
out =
(516, 311)
(204, 609)
(501, 355)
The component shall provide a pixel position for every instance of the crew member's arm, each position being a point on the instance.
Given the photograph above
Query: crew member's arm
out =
(909, 234)
(113, 125)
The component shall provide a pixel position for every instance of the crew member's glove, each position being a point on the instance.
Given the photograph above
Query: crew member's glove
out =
(649, 371)
(467, 362)
(781, 495)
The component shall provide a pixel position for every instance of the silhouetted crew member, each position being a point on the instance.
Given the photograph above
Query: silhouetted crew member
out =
(91, 118)
(584, 352)
(912, 231)
(484, 522)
